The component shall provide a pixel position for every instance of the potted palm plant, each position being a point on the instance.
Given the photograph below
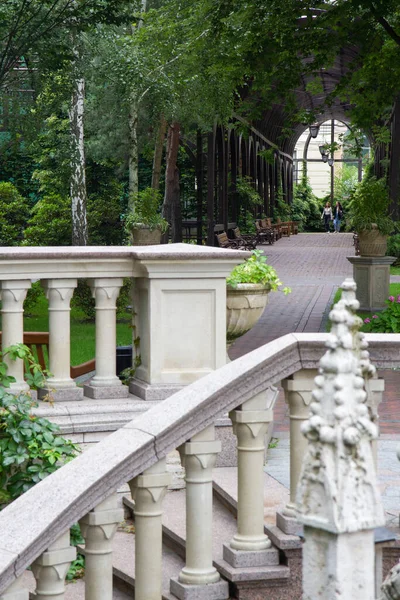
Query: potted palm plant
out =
(145, 224)
(248, 287)
(368, 215)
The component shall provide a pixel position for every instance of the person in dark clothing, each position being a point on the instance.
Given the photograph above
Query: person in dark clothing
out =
(337, 217)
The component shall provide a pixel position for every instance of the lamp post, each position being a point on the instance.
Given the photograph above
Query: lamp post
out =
(314, 130)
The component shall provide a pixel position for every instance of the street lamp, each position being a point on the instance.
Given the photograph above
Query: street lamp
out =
(314, 129)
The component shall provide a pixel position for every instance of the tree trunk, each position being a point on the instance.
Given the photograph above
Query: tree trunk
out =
(158, 151)
(133, 153)
(78, 177)
(172, 207)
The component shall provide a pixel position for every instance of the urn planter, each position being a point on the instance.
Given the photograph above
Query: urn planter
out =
(372, 242)
(245, 303)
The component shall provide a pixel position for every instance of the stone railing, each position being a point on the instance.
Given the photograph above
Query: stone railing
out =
(179, 300)
(33, 528)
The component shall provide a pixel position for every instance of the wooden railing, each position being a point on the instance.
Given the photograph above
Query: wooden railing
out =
(33, 528)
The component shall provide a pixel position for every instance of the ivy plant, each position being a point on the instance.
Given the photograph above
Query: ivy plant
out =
(30, 447)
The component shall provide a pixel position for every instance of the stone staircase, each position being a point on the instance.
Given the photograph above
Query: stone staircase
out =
(248, 582)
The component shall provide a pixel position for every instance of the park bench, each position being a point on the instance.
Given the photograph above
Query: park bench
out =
(248, 241)
(38, 343)
(265, 235)
(224, 242)
(285, 227)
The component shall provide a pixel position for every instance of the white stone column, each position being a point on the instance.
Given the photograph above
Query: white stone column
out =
(198, 457)
(250, 545)
(106, 384)
(13, 294)
(16, 591)
(338, 498)
(148, 491)
(59, 384)
(98, 528)
(375, 388)
(51, 568)
(298, 389)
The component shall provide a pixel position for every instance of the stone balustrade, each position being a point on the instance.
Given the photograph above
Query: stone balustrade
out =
(179, 303)
(33, 528)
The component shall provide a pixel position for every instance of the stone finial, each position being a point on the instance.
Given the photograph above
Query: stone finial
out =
(338, 490)
(391, 586)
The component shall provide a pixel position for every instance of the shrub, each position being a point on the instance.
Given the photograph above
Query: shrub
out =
(256, 270)
(30, 448)
(393, 247)
(14, 215)
(387, 321)
(50, 224)
(306, 207)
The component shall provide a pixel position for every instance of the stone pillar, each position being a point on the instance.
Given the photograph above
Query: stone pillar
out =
(181, 322)
(338, 499)
(59, 384)
(250, 545)
(148, 491)
(13, 294)
(372, 276)
(375, 388)
(106, 384)
(199, 577)
(51, 568)
(15, 591)
(98, 528)
(298, 389)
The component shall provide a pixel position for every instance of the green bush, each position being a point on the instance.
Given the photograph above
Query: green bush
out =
(30, 448)
(32, 297)
(387, 321)
(50, 223)
(306, 207)
(393, 247)
(14, 215)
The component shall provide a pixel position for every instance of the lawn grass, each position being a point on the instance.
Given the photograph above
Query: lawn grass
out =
(395, 270)
(83, 332)
(394, 290)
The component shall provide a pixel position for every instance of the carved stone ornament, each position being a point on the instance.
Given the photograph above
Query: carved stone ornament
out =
(338, 490)
(391, 586)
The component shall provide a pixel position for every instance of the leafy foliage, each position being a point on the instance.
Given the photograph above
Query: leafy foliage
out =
(306, 207)
(50, 223)
(369, 205)
(146, 212)
(387, 321)
(14, 212)
(256, 270)
(393, 247)
(30, 448)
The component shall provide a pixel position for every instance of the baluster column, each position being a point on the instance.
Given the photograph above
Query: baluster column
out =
(13, 294)
(374, 388)
(51, 568)
(98, 528)
(59, 384)
(148, 491)
(16, 591)
(250, 546)
(298, 395)
(106, 384)
(198, 457)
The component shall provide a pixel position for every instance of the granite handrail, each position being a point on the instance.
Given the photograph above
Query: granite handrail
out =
(35, 520)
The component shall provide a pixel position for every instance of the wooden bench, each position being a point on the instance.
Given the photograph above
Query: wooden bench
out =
(38, 343)
(249, 242)
(225, 242)
(265, 233)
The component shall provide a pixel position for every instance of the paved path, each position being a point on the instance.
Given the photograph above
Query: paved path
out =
(314, 265)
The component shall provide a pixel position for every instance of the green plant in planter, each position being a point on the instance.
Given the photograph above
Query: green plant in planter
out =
(146, 211)
(369, 207)
(256, 270)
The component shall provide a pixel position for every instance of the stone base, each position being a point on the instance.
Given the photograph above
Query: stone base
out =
(372, 277)
(112, 391)
(63, 395)
(154, 391)
(246, 558)
(212, 591)
(288, 525)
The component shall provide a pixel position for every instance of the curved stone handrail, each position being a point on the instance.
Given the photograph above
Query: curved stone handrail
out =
(35, 520)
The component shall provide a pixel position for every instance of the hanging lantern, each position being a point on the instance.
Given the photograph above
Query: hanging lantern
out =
(322, 150)
(330, 162)
(314, 129)
(325, 158)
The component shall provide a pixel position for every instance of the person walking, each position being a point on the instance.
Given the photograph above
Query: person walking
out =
(327, 216)
(337, 217)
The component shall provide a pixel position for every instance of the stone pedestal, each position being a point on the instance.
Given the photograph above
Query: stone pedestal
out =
(372, 277)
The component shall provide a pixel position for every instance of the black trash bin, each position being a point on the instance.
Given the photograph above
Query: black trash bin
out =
(124, 358)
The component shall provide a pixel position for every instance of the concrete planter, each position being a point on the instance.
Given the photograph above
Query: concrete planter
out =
(372, 243)
(142, 235)
(245, 304)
